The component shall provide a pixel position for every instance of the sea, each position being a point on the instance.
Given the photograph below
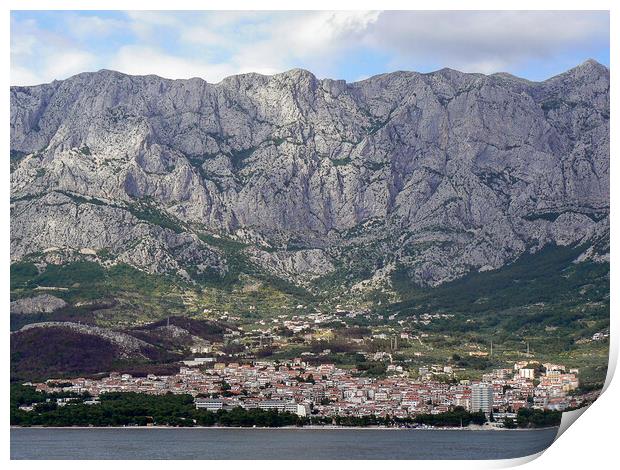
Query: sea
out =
(274, 444)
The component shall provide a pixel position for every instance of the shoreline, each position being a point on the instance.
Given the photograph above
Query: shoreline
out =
(311, 428)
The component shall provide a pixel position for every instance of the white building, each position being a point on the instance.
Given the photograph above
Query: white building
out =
(209, 404)
(482, 398)
(283, 406)
(526, 373)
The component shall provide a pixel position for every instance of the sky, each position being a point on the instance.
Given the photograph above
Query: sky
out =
(349, 45)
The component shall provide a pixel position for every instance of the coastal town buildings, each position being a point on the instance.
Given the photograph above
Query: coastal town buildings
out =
(327, 390)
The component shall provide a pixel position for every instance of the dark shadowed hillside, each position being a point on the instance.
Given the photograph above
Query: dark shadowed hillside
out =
(41, 353)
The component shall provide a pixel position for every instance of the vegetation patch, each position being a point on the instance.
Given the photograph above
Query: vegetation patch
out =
(41, 353)
(136, 409)
(546, 276)
(138, 295)
(341, 161)
(149, 213)
(238, 157)
(16, 157)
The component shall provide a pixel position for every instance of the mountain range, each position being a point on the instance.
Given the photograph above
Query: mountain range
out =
(313, 184)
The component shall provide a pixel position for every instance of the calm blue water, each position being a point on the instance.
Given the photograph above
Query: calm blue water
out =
(196, 443)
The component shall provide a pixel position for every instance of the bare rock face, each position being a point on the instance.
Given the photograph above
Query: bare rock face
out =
(305, 265)
(441, 173)
(44, 303)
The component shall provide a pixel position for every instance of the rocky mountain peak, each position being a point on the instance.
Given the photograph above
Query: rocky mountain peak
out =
(439, 174)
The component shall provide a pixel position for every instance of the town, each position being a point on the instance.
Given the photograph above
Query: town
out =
(327, 391)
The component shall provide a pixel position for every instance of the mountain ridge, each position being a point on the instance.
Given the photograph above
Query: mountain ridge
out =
(442, 173)
(588, 63)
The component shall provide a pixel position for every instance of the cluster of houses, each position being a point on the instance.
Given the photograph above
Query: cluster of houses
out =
(327, 390)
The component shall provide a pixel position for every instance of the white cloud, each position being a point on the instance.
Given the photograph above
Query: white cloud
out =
(23, 76)
(155, 17)
(89, 26)
(312, 40)
(322, 32)
(213, 45)
(203, 37)
(23, 44)
(70, 62)
(39, 56)
(140, 60)
(494, 39)
(146, 25)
